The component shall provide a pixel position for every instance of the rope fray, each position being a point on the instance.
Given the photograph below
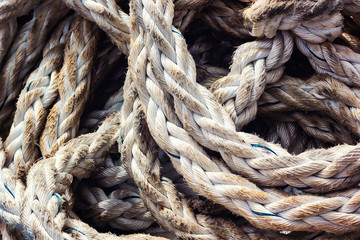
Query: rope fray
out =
(147, 119)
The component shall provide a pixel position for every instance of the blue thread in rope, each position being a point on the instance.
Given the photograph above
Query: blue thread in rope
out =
(59, 202)
(316, 56)
(121, 135)
(164, 180)
(28, 87)
(265, 214)
(178, 33)
(129, 197)
(173, 155)
(265, 147)
(6, 187)
(71, 228)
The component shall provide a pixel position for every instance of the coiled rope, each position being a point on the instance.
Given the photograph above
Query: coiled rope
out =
(149, 119)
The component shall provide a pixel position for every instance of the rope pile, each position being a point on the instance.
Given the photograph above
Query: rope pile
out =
(184, 119)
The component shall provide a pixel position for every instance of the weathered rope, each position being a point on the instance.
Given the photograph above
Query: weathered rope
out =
(178, 71)
(189, 132)
(73, 86)
(39, 93)
(24, 53)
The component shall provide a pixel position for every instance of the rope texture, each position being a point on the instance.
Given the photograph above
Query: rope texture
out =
(205, 131)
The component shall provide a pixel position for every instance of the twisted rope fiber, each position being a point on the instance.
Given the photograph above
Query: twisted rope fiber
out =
(9, 11)
(24, 53)
(244, 168)
(239, 206)
(159, 194)
(73, 86)
(39, 93)
(320, 93)
(194, 121)
(141, 166)
(38, 184)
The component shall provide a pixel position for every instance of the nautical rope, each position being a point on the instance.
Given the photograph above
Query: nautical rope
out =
(193, 143)
(24, 53)
(34, 101)
(174, 59)
(73, 86)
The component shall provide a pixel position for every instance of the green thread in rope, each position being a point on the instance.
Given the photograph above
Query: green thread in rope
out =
(316, 56)
(129, 197)
(3, 102)
(59, 202)
(265, 147)
(265, 214)
(6, 187)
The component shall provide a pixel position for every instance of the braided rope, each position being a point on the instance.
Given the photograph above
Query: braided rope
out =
(242, 204)
(73, 86)
(255, 65)
(177, 122)
(39, 93)
(322, 94)
(25, 51)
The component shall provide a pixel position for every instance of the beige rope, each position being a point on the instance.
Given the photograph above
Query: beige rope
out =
(173, 108)
(24, 53)
(59, 198)
(310, 17)
(39, 93)
(224, 16)
(255, 65)
(73, 86)
(320, 93)
(243, 204)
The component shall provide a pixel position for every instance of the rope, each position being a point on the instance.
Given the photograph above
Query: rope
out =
(185, 104)
(73, 86)
(34, 101)
(207, 130)
(24, 53)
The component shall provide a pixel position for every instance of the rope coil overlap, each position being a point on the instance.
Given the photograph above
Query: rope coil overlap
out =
(149, 119)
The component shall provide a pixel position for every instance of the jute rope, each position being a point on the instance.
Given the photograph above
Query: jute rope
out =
(181, 147)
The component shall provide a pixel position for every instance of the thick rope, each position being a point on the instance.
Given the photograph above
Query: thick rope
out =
(172, 108)
(24, 53)
(322, 94)
(258, 200)
(39, 93)
(73, 86)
